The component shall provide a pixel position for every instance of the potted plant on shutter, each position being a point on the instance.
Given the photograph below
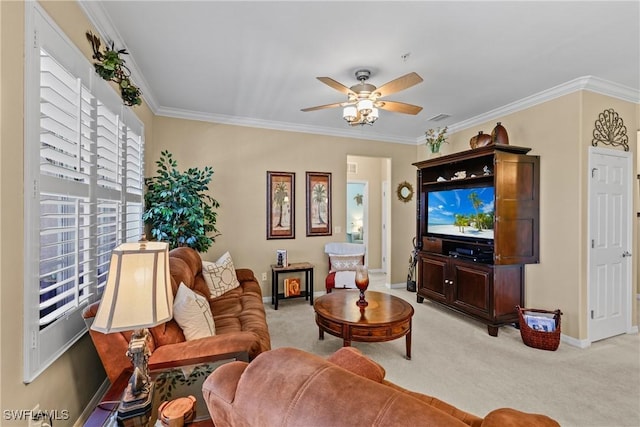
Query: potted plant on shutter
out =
(178, 209)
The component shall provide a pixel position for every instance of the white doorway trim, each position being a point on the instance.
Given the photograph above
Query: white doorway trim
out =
(384, 226)
(365, 216)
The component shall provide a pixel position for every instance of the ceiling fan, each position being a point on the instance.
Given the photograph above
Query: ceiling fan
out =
(363, 99)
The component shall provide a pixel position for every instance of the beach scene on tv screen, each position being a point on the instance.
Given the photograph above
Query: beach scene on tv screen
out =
(464, 212)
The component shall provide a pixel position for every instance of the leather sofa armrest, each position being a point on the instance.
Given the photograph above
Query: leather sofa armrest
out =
(241, 345)
(219, 393)
(223, 381)
(236, 343)
(507, 417)
(245, 275)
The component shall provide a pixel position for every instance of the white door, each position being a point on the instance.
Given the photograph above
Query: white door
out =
(609, 295)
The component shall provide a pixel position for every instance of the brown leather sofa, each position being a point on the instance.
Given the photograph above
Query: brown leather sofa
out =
(290, 387)
(239, 316)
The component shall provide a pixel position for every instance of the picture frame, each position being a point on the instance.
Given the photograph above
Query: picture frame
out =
(318, 185)
(281, 205)
(281, 258)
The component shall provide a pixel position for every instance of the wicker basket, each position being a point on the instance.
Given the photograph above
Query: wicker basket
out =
(539, 339)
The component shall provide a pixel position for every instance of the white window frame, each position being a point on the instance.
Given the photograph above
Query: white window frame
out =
(109, 187)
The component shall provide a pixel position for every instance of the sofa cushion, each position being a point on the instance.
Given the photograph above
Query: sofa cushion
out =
(220, 275)
(193, 314)
(345, 262)
(185, 265)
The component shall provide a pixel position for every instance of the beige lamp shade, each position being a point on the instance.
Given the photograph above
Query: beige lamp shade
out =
(138, 291)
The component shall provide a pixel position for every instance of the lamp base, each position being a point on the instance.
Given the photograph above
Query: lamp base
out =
(135, 411)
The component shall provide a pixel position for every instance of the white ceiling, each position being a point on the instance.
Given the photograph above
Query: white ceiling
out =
(255, 63)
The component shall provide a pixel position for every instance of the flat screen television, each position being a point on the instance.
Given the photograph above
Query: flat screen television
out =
(466, 213)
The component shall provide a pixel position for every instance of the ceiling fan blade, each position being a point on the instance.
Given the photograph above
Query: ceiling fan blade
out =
(337, 86)
(320, 107)
(398, 84)
(399, 107)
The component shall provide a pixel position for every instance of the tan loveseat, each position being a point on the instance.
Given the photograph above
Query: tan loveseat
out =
(239, 316)
(290, 387)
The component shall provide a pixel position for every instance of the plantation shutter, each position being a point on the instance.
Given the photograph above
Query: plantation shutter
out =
(66, 125)
(83, 172)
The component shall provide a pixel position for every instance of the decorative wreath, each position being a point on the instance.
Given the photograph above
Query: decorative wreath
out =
(610, 130)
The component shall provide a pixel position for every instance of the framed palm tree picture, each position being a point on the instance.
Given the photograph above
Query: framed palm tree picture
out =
(281, 205)
(318, 204)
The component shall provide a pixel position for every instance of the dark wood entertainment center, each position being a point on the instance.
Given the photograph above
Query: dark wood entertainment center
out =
(480, 277)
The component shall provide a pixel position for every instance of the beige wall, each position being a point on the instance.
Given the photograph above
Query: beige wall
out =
(560, 132)
(71, 381)
(241, 156)
(3, 107)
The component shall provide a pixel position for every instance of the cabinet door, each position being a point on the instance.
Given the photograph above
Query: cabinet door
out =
(516, 209)
(472, 287)
(432, 270)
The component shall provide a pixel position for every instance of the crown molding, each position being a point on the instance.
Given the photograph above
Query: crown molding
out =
(99, 18)
(107, 31)
(588, 83)
(273, 125)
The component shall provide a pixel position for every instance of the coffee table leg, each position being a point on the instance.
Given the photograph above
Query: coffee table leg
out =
(409, 344)
(320, 334)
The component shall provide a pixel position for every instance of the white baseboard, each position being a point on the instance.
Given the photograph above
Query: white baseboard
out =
(95, 400)
(396, 285)
(574, 341)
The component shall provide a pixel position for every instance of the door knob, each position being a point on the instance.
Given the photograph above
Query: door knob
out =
(626, 254)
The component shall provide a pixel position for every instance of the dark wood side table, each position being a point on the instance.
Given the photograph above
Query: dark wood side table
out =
(305, 267)
(386, 317)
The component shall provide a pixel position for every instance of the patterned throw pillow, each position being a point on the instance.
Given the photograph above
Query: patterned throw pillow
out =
(220, 275)
(193, 314)
(345, 262)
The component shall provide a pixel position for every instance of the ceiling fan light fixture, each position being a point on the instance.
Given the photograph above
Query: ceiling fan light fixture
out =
(365, 106)
(372, 116)
(363, 103)
(350, 113)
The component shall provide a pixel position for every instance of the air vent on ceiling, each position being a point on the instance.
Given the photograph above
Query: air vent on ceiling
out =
(439, 117)
(352, 167)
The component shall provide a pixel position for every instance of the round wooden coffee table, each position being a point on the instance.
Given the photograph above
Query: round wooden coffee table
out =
(386, 317)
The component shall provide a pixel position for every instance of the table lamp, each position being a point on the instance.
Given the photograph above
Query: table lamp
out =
(137, 296)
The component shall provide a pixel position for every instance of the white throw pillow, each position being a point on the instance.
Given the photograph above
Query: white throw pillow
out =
(192, 312)
(345, 262)
(220, 275)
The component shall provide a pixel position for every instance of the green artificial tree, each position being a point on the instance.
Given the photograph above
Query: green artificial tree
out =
(178, 208)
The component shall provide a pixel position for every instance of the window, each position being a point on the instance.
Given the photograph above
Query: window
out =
(83, 188)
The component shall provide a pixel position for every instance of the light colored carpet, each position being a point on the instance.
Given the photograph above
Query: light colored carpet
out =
(454, 359)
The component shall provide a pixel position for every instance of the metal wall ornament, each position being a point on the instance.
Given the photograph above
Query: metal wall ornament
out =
(610, 130)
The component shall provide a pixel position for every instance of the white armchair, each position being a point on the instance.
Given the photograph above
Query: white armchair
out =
(343, 259)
